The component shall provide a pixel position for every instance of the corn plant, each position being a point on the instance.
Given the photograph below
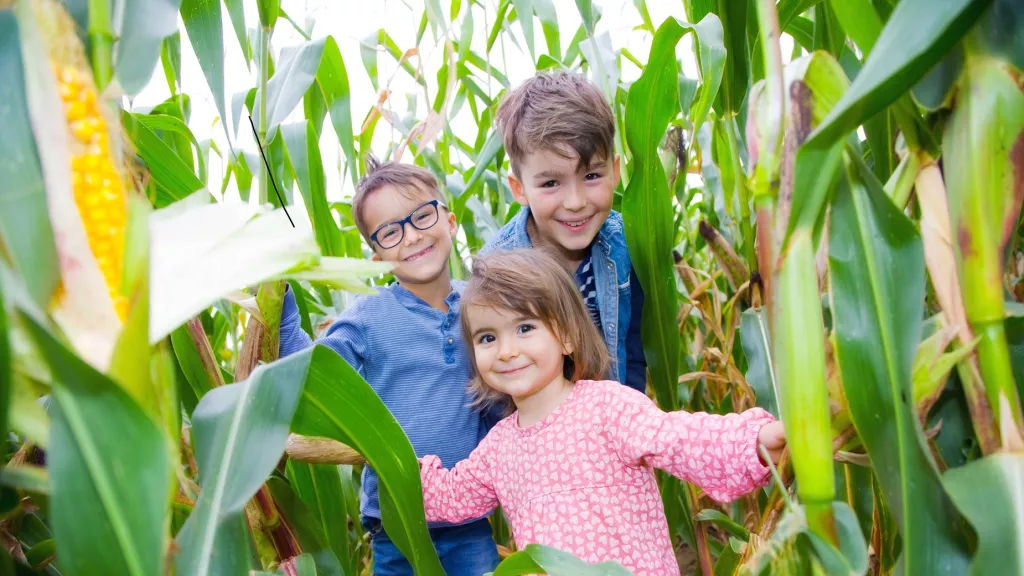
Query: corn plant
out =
(831, 232)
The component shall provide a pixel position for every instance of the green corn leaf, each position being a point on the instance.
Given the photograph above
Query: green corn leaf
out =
(338, 404)
(756, 341)
(989, 492)
(876, 316)
(113, 469)
(318, 486)
(303, 149)
(306, 527)
(174, 179)
(202, 19)
(524, 12)
(26, 237)
(318, 60)
(916, 37)
(538, 559)
(237, 15)
(238, 433)
(549, 23)
(144, 26)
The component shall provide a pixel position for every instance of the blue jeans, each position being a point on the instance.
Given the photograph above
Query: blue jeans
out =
(466, 550)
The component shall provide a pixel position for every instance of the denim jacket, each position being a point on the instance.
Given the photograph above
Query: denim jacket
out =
(619, 295)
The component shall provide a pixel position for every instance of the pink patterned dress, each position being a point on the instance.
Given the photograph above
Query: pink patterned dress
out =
(582, 479)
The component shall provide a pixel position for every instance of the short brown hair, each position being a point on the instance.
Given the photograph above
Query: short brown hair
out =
(556, 108)
(535, 283)
(410, 180)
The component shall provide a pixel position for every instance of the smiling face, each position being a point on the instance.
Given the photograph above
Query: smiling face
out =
(568, 203)
(516, 354)
(421, 255)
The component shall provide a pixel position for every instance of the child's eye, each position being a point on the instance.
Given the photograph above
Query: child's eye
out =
(592, 176)
(486, 339)
(524, 328)
(549, 184)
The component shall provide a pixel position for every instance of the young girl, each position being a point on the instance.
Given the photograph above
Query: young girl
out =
(573, 465)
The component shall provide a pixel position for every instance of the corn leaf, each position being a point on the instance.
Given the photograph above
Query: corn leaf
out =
(756, 340)
(26, 237)
(120, 486)
(916, 37)
(539, 559)
(338, 404)
(733, 15)
(876, 268)
(306, 527)
(989, 492)
(549, 22)
(202, 19)
(318, 60)
(646, 204)
(238, 434)
(524, 12)
(144, 26)
(174, 179)
(6, 369)
(318, 489)
(303, 148)
(237, 15)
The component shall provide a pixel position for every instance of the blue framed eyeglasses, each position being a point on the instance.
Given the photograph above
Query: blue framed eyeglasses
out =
(422, 218)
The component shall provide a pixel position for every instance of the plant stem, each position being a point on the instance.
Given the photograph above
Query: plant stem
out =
(102, 39)
(994, 357)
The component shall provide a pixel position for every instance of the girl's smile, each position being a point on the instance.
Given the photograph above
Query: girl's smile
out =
(521, 357)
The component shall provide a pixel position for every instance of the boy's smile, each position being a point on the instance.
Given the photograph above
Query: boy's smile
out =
(421, 255)
(568, 203)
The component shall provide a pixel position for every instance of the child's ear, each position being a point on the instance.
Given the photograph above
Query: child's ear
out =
(453, 224)
(376, 257)
(517, 189)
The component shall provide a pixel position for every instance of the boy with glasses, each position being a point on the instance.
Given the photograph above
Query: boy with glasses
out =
(406, 342)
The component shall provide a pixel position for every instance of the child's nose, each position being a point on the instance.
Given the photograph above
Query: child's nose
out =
(574, 198)
(506, 349)
(412, 235)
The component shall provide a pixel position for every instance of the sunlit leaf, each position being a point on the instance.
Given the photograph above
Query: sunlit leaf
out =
(202, 19)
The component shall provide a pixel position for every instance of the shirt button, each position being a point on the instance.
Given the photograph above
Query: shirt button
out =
(609, 265)
(450, 339)
(612, 326)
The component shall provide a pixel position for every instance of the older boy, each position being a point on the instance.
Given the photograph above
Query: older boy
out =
(558, 132)
(406, 343)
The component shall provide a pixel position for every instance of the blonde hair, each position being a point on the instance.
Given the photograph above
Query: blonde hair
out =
(534, 282)
(556, 108)
(410, 181)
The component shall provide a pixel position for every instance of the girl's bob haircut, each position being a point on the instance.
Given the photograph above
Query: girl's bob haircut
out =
(534, 283)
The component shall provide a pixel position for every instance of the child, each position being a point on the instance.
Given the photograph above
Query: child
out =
(559, 135)
(573, 466)
(405, 342)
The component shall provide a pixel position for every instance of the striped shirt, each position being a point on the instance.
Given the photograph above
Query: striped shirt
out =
(588, 289)
(413, 356)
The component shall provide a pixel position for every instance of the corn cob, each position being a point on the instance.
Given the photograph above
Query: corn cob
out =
(98, 188)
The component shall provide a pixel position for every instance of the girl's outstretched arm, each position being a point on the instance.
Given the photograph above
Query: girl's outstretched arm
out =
(461, 493)
(716, 452)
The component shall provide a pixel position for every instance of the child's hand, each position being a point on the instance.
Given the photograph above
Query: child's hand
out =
(773, 437)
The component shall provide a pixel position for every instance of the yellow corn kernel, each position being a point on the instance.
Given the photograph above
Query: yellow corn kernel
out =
(98, 189)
